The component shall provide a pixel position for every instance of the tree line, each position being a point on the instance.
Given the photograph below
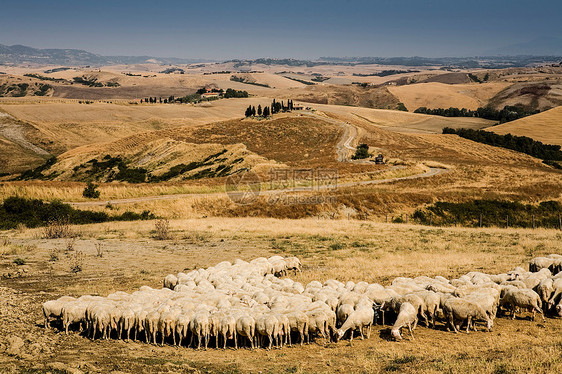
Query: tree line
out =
(197, 96)
(266, 111)
(547, 152)
(507, 114)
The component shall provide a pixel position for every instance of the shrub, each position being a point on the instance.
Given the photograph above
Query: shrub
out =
(35, 213)
(19, 261)
(162, 228)
(58, 228)
(90, 191)
(361, 152)
(336, 246)
(521, 144)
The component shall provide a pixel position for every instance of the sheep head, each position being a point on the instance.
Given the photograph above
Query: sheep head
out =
(396, 334)
(339, 334)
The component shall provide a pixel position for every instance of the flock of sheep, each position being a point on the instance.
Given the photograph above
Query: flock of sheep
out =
(245, 302)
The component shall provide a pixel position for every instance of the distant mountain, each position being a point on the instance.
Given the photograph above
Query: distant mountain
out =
(545, 46)
(21, 54)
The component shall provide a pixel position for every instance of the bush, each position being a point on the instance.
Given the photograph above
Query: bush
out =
(35, 213)
(90, 191)
(59, 228)
(19, 261)
(361, 152)
(162, 228)
(521, 144)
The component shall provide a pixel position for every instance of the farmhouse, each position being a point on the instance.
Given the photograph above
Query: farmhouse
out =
(207, 95)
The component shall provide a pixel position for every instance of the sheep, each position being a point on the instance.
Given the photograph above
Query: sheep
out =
(360, 318)
(545, 289)
(557, 286)
(293, 263)
(343, 312)
(246, 326)
(127, 321)
(268, 325)
(539, 263)
(101, 321)
(525, 298)
(52, 309)
(151, 325)
(456, 309)
(170, 281)
(73, 312)
(227, 329)
(431, 302)
(199, 327)
(298, 321)
(407, 316)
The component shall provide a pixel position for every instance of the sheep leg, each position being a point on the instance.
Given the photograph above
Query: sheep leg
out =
(468, 321)
(411, 331)
(270, 342)
(452, 322)
(235, 341)
(541, 312)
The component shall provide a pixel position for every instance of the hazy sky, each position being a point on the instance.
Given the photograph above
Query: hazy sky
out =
(218, 29)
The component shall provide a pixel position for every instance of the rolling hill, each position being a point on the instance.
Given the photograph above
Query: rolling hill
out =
(545, 127)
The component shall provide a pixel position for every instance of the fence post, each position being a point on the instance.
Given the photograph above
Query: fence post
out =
(559, 221)
(506, 221)
(406, 218)
(533, 221)
(480, 219)
(430, 220)
(386, 218)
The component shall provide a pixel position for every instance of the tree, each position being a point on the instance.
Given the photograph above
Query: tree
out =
(361, 152)
(254, 111)
(90, 191)
(266, 111)
(259, 110)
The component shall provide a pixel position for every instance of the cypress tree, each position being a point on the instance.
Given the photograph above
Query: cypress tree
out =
(254, 111)
(259, 110)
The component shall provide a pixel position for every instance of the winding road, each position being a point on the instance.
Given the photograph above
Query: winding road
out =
(343, 147)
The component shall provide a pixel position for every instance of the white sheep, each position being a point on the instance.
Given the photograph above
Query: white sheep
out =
(457, 309)
(361, 318)
(52, 309)
(522, 298)
(407, 316)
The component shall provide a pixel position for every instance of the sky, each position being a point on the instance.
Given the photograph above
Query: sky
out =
(219, 29)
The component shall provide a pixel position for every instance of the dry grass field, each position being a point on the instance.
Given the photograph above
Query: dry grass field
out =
(343, 250)
(441, 95)
(545, 127)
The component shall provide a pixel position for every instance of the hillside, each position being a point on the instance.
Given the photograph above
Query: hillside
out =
(545, 127)
(532, 95)
(441, 95)
(162, 159)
